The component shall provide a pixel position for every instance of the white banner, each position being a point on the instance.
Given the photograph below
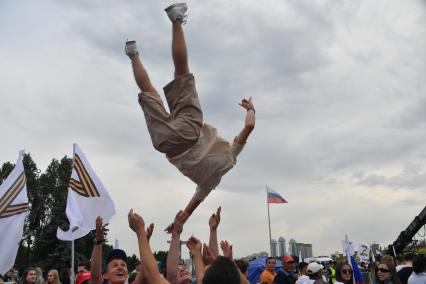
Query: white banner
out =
(13, 209)
(87, 199)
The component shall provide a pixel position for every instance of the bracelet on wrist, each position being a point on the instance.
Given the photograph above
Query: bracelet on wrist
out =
(252, 108)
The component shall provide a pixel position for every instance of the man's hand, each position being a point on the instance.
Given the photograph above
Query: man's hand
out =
(207, 255)
(215, 220)
(136, 222)
(149, 231)
(177, 226)
(194, 245)
(247, 104)
(226, 248)
(99, 229)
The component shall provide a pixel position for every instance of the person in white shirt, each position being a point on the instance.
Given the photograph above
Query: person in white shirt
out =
(303, 269)
(419, 271)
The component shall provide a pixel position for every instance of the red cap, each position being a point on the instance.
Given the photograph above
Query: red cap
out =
(288, 258)
(82, 276)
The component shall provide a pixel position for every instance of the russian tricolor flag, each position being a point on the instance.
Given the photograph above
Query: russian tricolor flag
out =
(274, 197)
(357, 272)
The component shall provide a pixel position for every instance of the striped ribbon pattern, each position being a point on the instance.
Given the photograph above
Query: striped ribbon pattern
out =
(6, 207)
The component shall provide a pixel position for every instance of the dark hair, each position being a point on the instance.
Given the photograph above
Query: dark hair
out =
(419, 264)
(223, 270)
(242, 265)
(271, 257)
(391, 266)
(84, 263)
(24, 275)
(400, 257)
(409, 256)
(339, 269)
(302, 265)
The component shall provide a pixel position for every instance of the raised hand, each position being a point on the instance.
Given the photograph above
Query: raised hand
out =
(177, 225)
(208, 257)
(136, 222)
(194, 245)
(99, 229)
(247, 104)
(149, 231)
(215, 220)
(226, 248)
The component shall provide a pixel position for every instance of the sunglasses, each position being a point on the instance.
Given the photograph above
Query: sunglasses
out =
(347, 271)
(383, 270)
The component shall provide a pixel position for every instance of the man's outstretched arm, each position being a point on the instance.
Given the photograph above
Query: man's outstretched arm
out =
(173, 257)
(213, 224)
(193, 203)
(249, 121)
(96, 266)
(149, 267)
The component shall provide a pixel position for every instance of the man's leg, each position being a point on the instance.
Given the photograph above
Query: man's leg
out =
(179, 51)
(141, 76)
(139, 71)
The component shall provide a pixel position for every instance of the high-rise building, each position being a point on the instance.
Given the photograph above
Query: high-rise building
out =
(292, 247)
(281, 246)
(274, 248)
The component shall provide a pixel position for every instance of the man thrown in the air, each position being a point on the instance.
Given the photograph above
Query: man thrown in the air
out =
(192, 146)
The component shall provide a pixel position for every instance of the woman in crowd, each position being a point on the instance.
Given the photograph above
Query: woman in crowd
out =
(53, 277)
(29, 276)
(386, 273)
(344, 274)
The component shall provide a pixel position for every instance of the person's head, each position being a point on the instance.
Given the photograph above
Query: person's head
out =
(288, 263)
(386, 271)
(116, 267)
(409, 257)
(9, 274)
(83, 266)
(222, 270)
(419, 264)
(303, 268)
(315, 270)
(242, 266)
(39, 272)
(183, 275)
(333, 264)
(29, 276)
(388, 258)
(344, 273)
(53, 277)
(399, 259)
(270, 264)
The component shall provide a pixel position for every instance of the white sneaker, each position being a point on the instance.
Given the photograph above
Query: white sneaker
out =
(131, 48)
(177, 12)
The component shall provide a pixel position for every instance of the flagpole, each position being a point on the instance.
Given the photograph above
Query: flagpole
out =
(269, 222)
(72, 255)
(72, 262)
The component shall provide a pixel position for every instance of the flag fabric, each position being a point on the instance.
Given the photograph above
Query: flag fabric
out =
(358, 278)
(273, 196)
(87, 199)
(13, 208)
(349, 250)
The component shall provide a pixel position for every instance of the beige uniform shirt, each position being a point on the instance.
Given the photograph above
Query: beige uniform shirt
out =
(207, 161)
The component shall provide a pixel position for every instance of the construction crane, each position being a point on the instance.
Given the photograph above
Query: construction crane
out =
(406, 236)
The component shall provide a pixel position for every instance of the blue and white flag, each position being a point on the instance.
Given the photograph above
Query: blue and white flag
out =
(13, 209)
(87, 199)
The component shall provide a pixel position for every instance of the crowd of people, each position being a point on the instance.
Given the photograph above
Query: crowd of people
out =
(404, 269)
(213, 262)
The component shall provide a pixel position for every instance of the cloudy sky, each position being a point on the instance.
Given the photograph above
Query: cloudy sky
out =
(339, 88)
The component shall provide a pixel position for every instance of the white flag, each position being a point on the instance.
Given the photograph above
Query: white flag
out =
(87, 199)
(13, 207)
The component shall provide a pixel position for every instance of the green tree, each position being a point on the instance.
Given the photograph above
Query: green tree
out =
(47, 195)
